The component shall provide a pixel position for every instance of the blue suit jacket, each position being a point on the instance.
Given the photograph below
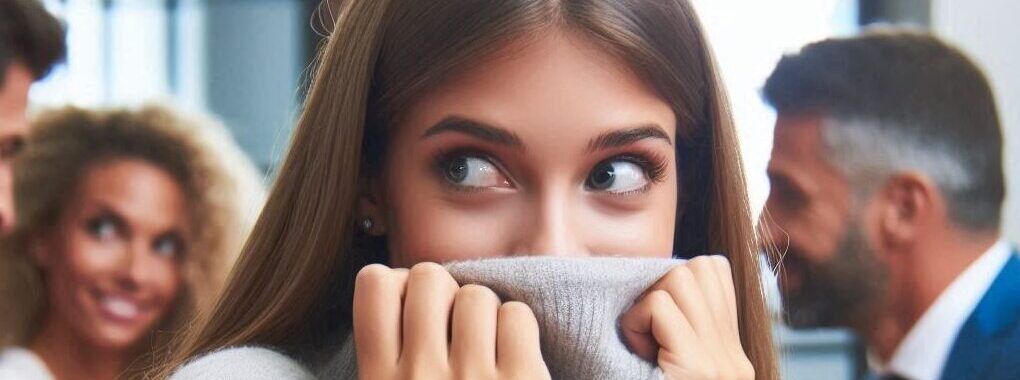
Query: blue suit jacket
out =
(988, 345)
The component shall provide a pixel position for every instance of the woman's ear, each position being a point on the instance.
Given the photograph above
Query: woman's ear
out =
(907, 203)
(371, 211)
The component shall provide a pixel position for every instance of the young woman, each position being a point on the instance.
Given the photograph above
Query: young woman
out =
(453, 130)
(128, 221)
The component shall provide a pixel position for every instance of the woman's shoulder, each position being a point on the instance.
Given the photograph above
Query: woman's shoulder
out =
(255, 362)
(20, 363)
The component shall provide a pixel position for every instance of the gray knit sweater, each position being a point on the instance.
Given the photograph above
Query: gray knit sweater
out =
(577, 301)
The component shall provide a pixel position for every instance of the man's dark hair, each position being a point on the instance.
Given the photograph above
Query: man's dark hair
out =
(910, 102)
(31, 35)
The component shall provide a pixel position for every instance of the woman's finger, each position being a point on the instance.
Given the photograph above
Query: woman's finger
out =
(706, 270)
(518, 349)
(473, 346)
(427, 305)
(378, 291)
(655, 324)
(682, 285)
(741, 367)
(687, 292)
(725, 275)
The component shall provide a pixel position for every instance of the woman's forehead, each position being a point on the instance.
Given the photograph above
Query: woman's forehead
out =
(557, 87)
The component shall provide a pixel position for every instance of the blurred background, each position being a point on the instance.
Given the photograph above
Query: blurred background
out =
(246, 62)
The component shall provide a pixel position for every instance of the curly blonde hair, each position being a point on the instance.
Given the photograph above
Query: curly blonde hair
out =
(223, 188)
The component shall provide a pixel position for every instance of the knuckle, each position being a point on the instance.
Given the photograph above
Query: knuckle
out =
(427, 268)
(659, 298)
(678, 277)
(374, 270)
(723, 266)
(701, 260)
(515, 310)
(702, 263)
(430, 272)
(683, 272)
(661, 304)
(476, 293)
(373, 274)
(722, 262)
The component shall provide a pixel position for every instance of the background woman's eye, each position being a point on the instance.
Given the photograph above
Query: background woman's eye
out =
(475, 172)
(102, 228)
(617, 176)
(168, 246)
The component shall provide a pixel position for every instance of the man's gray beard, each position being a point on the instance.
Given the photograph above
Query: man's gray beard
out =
(842, 291)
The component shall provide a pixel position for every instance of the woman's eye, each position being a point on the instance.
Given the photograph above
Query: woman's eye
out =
(617, 176)
(168, 247)
(473, 172)
(102, 228)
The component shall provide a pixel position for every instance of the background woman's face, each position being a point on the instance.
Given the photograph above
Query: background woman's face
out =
(552, 148)
(111, 264)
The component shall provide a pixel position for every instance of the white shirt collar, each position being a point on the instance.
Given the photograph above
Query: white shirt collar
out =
(923, 352)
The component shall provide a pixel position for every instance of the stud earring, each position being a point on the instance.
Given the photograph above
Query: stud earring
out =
(366, 224)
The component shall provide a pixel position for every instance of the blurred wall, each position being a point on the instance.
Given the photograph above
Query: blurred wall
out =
(899, 11)
(240, 60)
(255, 54)
(989, 32)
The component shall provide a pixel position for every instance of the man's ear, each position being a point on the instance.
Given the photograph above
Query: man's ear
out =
(371, 210)
(906, 205)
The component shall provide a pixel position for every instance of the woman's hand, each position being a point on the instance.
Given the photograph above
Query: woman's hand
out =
(687, 322)
(403, 328)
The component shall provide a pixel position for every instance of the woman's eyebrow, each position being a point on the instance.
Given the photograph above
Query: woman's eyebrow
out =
(500, 136)
(623, 137)
(477, 130)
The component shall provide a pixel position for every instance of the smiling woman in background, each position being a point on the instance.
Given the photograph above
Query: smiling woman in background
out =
(129, 221)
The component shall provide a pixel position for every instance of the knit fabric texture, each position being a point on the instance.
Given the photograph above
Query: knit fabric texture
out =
(577, 302)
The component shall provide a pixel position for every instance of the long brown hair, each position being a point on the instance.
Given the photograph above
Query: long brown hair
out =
(222, 187)
(293, 282)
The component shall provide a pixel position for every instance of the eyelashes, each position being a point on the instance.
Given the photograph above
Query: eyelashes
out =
(626, 174)
(472, 170)
(653, 164)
